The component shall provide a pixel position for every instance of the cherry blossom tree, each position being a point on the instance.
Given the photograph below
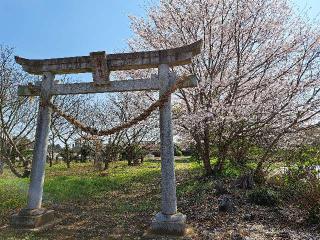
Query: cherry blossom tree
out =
(61, 129)
(17, 115)
(258, 73)
(117, 109)
(125, 107)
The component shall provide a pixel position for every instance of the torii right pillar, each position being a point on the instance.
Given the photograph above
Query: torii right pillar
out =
(168, 221)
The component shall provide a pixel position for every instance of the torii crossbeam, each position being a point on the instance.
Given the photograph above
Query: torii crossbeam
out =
(168, 220)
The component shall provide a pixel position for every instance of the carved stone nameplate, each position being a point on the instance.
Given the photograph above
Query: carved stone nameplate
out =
(100, 72)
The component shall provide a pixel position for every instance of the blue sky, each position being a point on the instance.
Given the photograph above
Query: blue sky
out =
(312, 5)
(58, 28)
(61, 28)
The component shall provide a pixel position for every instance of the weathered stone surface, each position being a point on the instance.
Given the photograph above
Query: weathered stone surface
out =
(225, 203)
(169, 224)
(100, 71)
(113, 86)
(168, 178)
(284, 235)
(249, 217)
(41, 145)
(119, 61)
(168, 221)
(32, 212)
(237, 236)
(31, 219)
(220, 188)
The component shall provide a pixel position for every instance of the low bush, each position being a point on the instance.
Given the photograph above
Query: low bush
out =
(263, 196)
(303, 192)
(177, 153)
(314, 215)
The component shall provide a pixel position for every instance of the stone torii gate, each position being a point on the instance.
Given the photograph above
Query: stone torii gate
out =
(168, 220)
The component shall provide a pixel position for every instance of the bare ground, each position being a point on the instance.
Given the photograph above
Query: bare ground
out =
(126, 214)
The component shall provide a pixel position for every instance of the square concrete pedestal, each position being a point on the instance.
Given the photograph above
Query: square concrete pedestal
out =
(169, 224)
(32, 219)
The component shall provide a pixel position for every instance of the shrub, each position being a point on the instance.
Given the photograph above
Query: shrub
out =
(177, 153)
(314, 214)
(263, 197)
(304, 193)
(156, 153)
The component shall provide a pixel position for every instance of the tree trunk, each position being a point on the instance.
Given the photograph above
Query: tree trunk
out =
(52, 152)
(68, 162)
(259, 176)
(98, 158)
(245, 181)
(50, 161)
(67, 155)
(130, 156)
(206, 152)
(217, 169)
(222, 151)
(203, 151)
(106, 165)
(1, 167)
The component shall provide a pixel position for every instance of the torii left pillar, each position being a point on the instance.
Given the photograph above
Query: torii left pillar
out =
(34, 216)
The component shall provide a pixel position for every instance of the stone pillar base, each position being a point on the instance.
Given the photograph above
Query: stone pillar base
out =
(32, 219)
(169, 224)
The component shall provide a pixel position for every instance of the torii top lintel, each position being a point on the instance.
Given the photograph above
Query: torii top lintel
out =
(111, 62)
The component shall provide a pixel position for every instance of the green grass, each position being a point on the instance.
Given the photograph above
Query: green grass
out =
(128, 195)
(82, 182)
(197, 190)
(12, 193)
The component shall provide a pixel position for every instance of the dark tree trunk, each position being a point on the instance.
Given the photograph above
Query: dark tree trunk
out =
(203, 151)
(106, 165)
(1, 167)
(68, 162)
(218, 167)
(67, 155)
(52, 152)
(206, 152)
(259, 175)
(130, 156)
(245, 181)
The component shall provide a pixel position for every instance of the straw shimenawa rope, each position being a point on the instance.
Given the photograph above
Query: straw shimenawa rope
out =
(146, 113)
